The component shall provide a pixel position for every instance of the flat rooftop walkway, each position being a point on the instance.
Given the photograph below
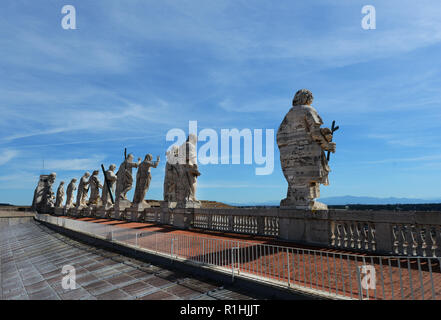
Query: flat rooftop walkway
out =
(154, 227)
(32, 257)
(329, 270)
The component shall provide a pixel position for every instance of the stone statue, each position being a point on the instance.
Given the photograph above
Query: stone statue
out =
(83, 189)
(143, 178)
(95, 186)
(38, 193)
(71, 187)
(43, 201)
(191, 173)
(302, 144)
(111, 179)
(181, 175)
(48, 195)
(124, 182)
(60, 196)
(171, 175)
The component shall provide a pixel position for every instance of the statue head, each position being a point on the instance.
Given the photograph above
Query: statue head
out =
(87, 174)
(52, 177)
(148, 157)
(61, 183)
(95, 172)
(112, 167)
(74, 180)
(302, 97)
(130, 157)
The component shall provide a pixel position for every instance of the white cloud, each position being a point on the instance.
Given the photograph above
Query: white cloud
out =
(7, 155)
(127, 118)
(75, 164)
(435, 157)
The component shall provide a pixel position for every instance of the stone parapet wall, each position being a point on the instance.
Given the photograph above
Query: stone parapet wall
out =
(379, 232)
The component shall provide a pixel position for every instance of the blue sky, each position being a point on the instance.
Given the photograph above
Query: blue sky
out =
(135, 69)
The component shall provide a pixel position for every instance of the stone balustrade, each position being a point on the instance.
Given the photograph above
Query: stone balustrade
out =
(378, 232)
(264, 222)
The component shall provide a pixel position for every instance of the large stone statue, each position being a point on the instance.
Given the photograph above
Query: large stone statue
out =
(83, 189)
(38, 193)
(181, 174)
(111, 179)
(60, 196)
(71, 187)
(302, 144)
(171, 175)
(190, 174)
(143, 178)
(124, 182)
(95, 186)
(43, 201)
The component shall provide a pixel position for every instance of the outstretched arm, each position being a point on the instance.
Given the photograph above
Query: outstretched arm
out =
(313, 122)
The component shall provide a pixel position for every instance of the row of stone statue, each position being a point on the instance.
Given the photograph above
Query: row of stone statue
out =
(180, 182)
(304, 146)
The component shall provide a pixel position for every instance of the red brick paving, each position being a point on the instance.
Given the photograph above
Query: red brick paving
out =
(329, 270)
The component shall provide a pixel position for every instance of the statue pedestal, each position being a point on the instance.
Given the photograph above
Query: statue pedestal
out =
(189, 205)
(304, 226)
(120, 207)
(182, 218)
(100, 212)
(59, 211)
(141, 206)
(86, 212)
(132, 214)
(105, 211)
(68, 210)
(314, 205)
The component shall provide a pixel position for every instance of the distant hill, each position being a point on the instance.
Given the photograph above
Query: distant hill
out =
(352, 200)
(344, 200)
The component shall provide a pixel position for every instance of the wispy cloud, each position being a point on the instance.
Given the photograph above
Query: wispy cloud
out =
(436, 157)
(75, 164)
(7, 155)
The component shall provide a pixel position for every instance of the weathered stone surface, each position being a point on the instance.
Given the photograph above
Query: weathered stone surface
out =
(111, 180)
(95, 186)
(181, 174)
(43, 196)
(83, 189)
(71, 188)
(143, 178)
(302, 144)
(124, 183)
(60, 195)
(124, 180)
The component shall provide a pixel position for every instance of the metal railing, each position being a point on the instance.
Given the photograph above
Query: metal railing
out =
(327, 273)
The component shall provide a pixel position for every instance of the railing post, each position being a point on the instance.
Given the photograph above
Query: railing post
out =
(232, 263)
(172, 248)
(203, 251)
(136, 239)
(238, 258)
(360, 290)
(287, 262)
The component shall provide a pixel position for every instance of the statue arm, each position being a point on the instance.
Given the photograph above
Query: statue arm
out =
(134, 164)
(313, 122)
(156, 162)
